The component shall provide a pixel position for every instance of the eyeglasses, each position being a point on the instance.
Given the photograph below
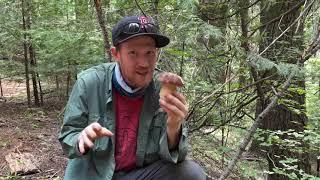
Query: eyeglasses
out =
(134, 28)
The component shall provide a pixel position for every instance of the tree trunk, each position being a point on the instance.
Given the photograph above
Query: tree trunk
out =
(244, 23)
(182, 60)
(101, 20)
(318, 166)
(68, 84)
(284, 50)
(68, 80)
(57, 82)
(32, 56)
(34, 76)
(25, 47)
(1, 91)
(40, 89)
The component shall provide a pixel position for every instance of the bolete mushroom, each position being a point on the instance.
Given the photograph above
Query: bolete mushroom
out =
(167, 88)
(169, 83)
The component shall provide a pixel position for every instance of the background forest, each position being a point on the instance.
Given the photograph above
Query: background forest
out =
(251, 70)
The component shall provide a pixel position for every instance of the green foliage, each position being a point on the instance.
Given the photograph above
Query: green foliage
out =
(11, 178)
(67, 39)
(249, 170)
(263, 64)
(4, 144)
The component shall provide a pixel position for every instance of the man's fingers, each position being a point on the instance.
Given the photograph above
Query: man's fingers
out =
(180, 97)
(101, 131)
(96, 126)
(176, 104)
(91, 133)
(87, 142)
(172, 109)
(105, 132)
(81, 145)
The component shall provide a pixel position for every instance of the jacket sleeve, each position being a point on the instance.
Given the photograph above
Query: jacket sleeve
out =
(75, 120)
(176, 155)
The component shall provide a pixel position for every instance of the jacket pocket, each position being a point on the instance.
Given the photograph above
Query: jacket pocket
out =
(157, 129)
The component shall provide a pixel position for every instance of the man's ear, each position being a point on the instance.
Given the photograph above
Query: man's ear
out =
(115, 53)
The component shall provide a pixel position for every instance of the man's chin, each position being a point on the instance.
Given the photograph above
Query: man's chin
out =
(143, 85)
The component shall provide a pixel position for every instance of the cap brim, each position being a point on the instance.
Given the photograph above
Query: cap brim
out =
(161, 40)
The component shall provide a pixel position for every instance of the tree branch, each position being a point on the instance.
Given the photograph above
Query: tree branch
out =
(305, 56)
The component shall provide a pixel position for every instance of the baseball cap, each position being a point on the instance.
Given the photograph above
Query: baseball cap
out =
(133, 26)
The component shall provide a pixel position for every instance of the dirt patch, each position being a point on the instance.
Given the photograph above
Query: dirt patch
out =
(13, 88)
(32, 130)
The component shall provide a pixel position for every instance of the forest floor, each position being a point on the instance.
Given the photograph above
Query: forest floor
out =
(30, 130)
(35, 131)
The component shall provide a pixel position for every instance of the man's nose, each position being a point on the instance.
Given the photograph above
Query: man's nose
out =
(143, 62)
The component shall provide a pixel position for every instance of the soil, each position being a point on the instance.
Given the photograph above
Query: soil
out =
(32, 130)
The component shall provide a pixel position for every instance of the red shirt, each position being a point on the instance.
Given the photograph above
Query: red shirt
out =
(127, 123)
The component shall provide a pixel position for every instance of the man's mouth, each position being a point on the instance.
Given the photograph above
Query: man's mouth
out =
(144, 73)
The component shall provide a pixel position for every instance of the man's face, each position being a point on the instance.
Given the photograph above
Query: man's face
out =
(137, 58)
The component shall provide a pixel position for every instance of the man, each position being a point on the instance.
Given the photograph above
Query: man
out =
(115, 124)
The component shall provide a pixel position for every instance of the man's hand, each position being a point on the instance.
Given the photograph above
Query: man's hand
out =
(175, 104)
(176, 107)
(90, 134)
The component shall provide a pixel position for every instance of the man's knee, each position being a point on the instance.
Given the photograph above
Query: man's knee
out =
(190, 170)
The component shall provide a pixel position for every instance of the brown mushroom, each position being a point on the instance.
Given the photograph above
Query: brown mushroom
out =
(169, 83)
(167, 88)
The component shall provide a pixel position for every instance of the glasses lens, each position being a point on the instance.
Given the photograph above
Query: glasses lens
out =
(151, 28)
(131, 28)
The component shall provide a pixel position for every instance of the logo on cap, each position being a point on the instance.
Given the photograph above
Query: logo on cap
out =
(143, 20)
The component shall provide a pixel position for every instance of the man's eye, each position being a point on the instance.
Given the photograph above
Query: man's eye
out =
(132, 52)
(150, 52)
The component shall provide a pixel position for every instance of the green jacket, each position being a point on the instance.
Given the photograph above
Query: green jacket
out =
(91, 101)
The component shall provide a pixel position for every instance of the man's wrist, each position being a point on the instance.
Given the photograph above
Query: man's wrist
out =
(173, 124)
(173, 132)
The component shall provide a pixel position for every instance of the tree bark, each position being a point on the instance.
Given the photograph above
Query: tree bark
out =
(68, 80)
(40, 89)
(182, 60)
(1, 91)
(101, 20)
(271, 106)
(32, 56)
(34, 76)
(318, 166)
(244, 22)
(282, 117)
(68, 84)
(25, 47)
